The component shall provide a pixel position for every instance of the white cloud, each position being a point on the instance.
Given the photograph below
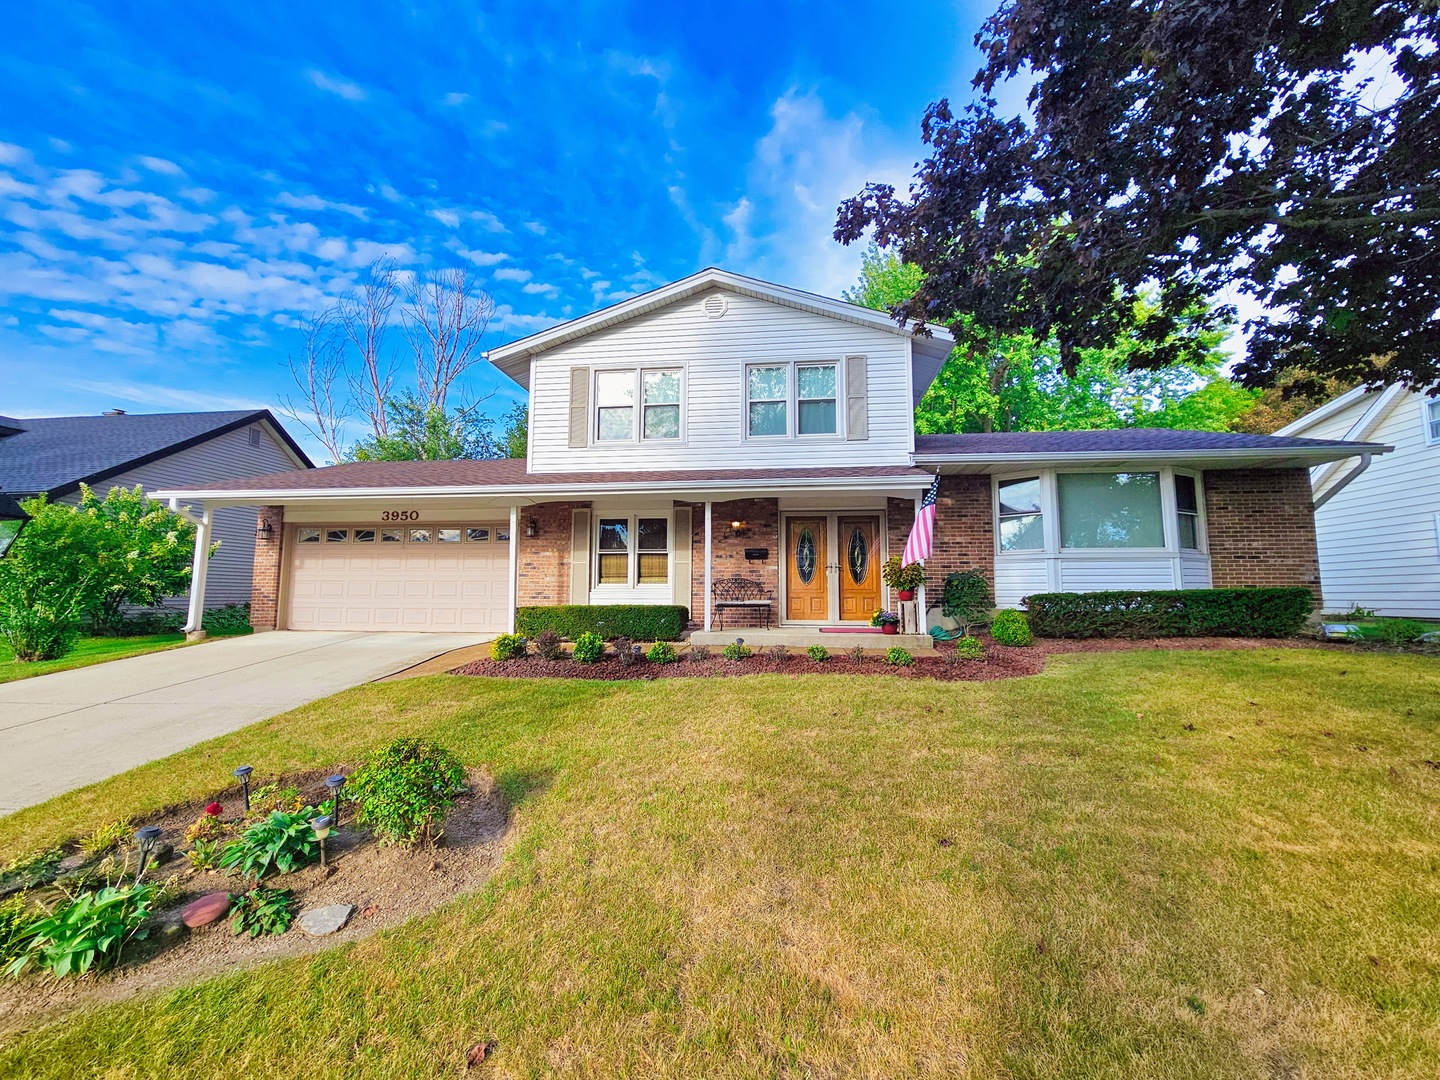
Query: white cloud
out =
(315, 202)
(506, 318)
(537, 288)
(455, 98)
(536, 228)
(161, 165)
(481, 258)
(164, 396)
(449, 218)
(512, 273)
(487, 220)
(10, 154)
(344, 88)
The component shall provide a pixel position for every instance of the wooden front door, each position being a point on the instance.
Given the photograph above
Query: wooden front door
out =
(859, 544)
(807, 581)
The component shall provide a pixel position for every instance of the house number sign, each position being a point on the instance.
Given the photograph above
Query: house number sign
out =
(400, 515)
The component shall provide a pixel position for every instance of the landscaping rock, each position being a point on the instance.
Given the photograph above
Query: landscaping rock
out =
(210, 908)
(318, 922)
(169, 927)
(164, 851)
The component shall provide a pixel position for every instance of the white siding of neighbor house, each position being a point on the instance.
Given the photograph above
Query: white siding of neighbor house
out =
(713, 354)
(1378, 537)
(224, 457)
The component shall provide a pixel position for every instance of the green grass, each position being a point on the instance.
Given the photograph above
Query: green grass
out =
(87, 651)
(1147, 864)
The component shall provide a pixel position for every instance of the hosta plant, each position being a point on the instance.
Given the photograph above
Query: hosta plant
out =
(282, 841)
(404, 789)
(662, 652)
(818, 653)
(89, 931)
(262, 911)
(898, 657)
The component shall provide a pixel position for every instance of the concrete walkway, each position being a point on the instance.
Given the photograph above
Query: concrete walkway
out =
(72, 728)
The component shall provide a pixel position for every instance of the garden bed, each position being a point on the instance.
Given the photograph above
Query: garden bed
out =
(386, 885)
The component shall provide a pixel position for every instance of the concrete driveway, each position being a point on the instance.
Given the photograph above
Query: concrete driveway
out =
(61, 731)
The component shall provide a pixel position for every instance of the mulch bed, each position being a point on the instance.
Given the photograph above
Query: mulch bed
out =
(387, 886)
(1000, 662)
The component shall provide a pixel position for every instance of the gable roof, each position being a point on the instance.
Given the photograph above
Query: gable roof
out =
(514, 359)
(56, 454)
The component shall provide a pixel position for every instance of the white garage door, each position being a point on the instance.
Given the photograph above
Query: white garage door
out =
(448, 578)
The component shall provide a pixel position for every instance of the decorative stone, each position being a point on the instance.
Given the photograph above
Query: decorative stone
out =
(318, 922)
(210, 908)
(1432, 636)
(169, 927)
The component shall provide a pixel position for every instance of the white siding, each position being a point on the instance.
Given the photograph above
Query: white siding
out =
(224, 457)
(1100, 575)
(714, 353)
(1194, 571)
(1378, 545)
(1018, 577)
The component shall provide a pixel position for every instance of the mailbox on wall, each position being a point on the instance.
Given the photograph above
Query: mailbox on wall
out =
(757, 554)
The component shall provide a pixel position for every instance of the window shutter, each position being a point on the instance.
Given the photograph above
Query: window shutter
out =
(857, 400)
(580, 557)
(680, 542)
(579, 407)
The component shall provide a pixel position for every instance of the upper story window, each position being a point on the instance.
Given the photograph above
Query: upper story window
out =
(1431, 408)
(784, 400)
(658, 394)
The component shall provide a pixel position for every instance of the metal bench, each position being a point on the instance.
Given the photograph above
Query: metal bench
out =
(741, 592)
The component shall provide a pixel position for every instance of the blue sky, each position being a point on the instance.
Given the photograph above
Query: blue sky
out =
(177, 190)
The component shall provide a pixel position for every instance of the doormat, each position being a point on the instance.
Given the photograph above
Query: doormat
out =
(850, 630)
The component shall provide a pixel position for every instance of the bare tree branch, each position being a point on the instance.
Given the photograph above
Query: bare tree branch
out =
(446, 317)
(317, 371)
(364, 318)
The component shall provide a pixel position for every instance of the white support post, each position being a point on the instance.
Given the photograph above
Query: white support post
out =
(514, 568)
(194, 624)
(708, 531)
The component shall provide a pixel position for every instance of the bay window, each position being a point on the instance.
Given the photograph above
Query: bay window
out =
(1057, 512)
(658, 394)
(807, 392)
(1187, 512)
(1110, 510)
(632, 551)
(1022, 524)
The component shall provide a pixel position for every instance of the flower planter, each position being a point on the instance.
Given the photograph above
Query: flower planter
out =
(907, 594)
(889, 628)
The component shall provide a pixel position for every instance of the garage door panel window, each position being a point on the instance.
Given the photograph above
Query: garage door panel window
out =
(447, 536)
(337, 536)
(364, 536)
(477, 536)
(307, 536)
(419, 536)
(392, 536)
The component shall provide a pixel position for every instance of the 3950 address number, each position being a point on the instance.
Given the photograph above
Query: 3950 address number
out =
(400, 515)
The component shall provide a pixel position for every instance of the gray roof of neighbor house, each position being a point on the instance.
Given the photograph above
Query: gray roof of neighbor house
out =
(56, 454)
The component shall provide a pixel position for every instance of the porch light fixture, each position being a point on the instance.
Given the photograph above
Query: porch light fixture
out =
(320, 826)
(145, 837)
(335, 783)
(264, 531)
(739, 528)
(532, 528)
(243, 775)
(12, 520)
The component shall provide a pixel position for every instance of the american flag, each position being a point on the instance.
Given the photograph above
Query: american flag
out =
(922, 534)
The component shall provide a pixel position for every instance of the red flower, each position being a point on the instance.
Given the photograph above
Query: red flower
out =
(214, 809)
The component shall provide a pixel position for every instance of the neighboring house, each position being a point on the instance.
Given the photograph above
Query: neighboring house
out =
(1379, 527)
(725, 427)
(54, 455)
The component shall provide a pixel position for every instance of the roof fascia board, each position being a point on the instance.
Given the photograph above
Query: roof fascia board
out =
(1048, 460)
(1370, 419)
(1323, 412)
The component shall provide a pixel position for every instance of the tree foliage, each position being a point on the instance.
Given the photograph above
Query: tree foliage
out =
(415, 431)
(1290, 150)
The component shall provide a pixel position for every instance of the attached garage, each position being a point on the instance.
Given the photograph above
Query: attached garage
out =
(447, 578)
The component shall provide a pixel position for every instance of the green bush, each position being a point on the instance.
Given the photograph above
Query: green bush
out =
(736, 650)
(969, 648)
(148, 621)
(1010, 628)
(16, 920)
(1397, 631)
(508, 647)
(230, 619)
(898, 657)
(638, 622)
(1269, 613)
(404, 788)
(589, 647)
(262, 911)
(87, 932)
(966, 599)
(281, 841)
(818, 653)
(662, 652)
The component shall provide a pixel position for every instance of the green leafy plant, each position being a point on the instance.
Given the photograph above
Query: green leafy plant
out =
(89, 931)
(404, 789)
(104, 838)
(884, 618)
(966, 599)
(205, 854)
(818, 653)
(969, 648)
(638, 622)
(1010, 628)
(906, 577)
(589, 648)
(34, 868)
(898, 657)
(1397, 631)
(1269, 612)
(508, 647)
(262, 911)
(281, 841)
(1357, 612)
(736, 650)
(17, 918)
(662, 652)
(230, 619)
(547, 644)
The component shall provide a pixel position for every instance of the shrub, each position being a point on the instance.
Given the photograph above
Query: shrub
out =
(104, 838)
(662, 652)
(1277, 612)
(966, 599)
(818, 653)
(898, 657)
(205, 854)
(638, 622)
(404, 788)
(698, 654)
(547, 644)
(262, 911)
(857, 654)
(151, 621)
(87, 932)
(906, 577)
(1398, 631)
(627, 651)
(230, 619)
(1010, 628)
(281, 841)
(969, 648)
(507, 647)
(736, 650)
(589, 648)
(778, 652)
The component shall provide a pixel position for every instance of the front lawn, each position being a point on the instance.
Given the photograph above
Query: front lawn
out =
(87, 651)
(1146, 864)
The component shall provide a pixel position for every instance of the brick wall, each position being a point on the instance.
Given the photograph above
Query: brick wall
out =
(1261, 525)
(543, 576)
(727, 551)
(964, 532)
(265, 584)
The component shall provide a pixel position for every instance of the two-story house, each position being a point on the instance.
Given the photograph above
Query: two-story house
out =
(724, 427)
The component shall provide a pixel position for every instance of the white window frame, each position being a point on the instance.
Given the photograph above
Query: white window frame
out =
(792, 400)
(632, 551)
(637, 417)
(1430, 419)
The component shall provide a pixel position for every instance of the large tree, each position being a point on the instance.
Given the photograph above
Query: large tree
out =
(1290, 150)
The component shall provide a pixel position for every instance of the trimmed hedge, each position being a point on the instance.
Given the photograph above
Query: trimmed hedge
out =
(638, 622)
(1171, 613)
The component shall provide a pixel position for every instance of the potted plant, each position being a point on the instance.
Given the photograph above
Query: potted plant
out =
(887, 621)
(904, 578)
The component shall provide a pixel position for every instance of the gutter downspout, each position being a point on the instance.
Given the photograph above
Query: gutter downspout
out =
(1344, 481)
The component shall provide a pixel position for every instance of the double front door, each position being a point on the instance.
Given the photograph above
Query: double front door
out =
(832, 567)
